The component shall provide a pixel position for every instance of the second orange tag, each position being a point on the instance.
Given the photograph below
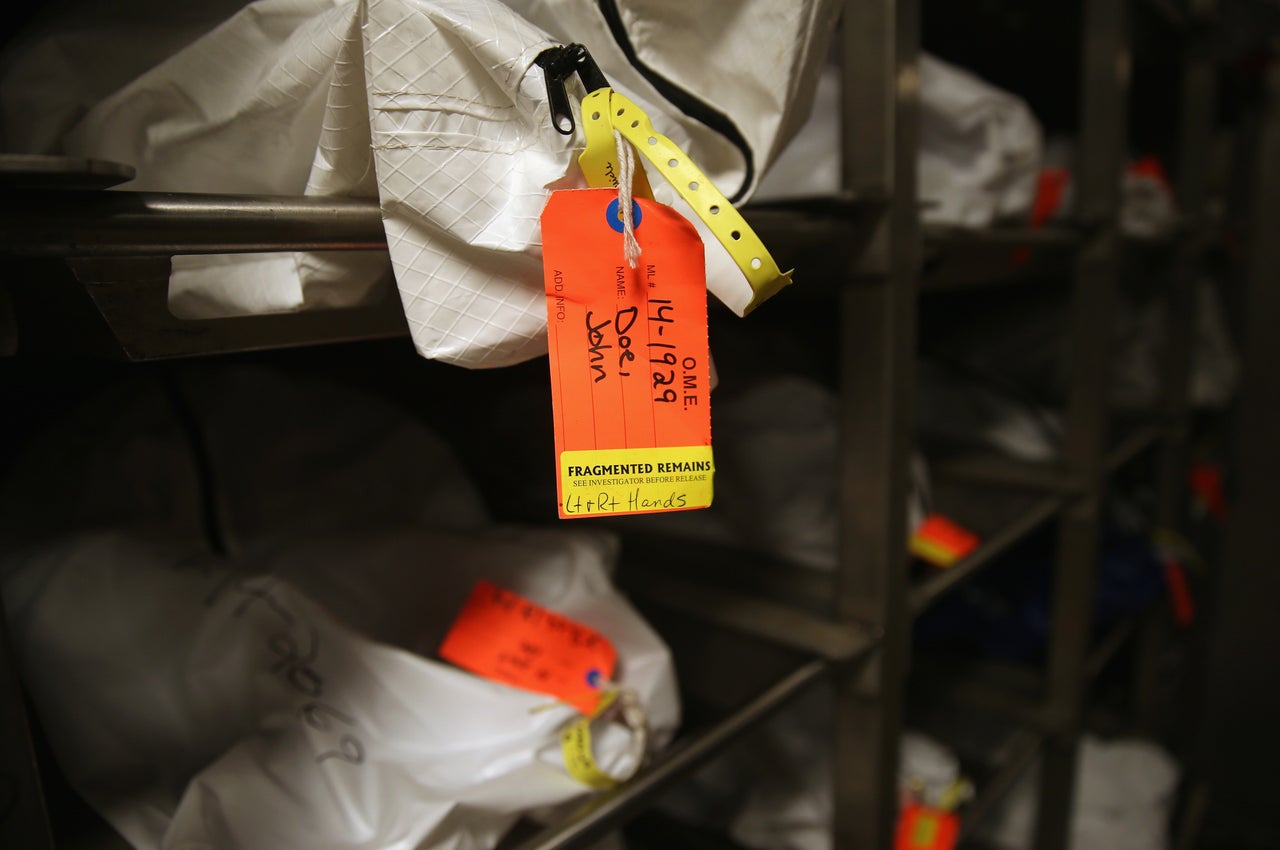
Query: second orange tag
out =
(504, 637)
(629, 361)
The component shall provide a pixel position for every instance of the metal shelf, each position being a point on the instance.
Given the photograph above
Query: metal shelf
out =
(1021, 754)
(1016, 691)
(781, 624)
(148, 224)
(610, 810)
(714, 565)
(1012, 692)
(1136, 441)
(1111, 643)
(1172, 13)
(1002, 236)
(1002, 519)
(1001, 500)
(123, 242)
(957, 258)
(119, 245)
(821, 238)
(157, 224)
(1129, 443)
(993, 753)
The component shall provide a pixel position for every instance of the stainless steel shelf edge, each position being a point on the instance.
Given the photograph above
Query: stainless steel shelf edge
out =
(1132, 446)
(78, 223)
(132, 295)
(928, 591)
(944, 235)
(151, 224)
(1023, 756)
(612, 809)
(1002, 471)
(1113, 641)
(1050, 477)
(780, 624)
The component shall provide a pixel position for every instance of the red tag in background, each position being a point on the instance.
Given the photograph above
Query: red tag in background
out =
(941, 542)
(502, 636)
(630, 370)
(926, 828)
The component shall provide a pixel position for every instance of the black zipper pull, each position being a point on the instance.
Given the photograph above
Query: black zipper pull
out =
(556, 70)
(588, 71)
(558, 64)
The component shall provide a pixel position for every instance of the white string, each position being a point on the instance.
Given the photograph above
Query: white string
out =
(626, 175)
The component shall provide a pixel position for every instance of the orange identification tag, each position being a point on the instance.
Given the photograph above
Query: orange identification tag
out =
(926, 828)
(629, 362)
(941, 542)
(502, 636)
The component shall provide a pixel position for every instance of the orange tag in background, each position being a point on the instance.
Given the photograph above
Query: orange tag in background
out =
(630, 375)
(502, 636)
(941, 542)
(926, 828)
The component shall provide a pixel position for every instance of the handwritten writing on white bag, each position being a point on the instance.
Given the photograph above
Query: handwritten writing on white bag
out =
(295, 666)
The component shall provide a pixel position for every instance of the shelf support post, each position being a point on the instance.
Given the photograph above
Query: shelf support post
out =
(877, 316)
(1105, 73)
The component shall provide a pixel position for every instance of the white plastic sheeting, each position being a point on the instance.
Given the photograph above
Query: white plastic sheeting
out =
(285, 695)
(1124, 795)
(980, 149)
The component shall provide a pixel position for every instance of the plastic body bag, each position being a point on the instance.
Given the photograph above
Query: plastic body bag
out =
(981, 149)
(195, 706)
(436, 108)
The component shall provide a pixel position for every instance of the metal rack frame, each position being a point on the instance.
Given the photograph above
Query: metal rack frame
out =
(854, 626)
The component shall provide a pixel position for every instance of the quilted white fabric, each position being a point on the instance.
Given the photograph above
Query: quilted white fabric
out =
(256, 106)
(465, 153)
(436, 108)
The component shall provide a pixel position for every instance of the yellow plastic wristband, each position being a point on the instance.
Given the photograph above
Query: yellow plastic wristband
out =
(703, 197)
(575, 743)
(599, 160)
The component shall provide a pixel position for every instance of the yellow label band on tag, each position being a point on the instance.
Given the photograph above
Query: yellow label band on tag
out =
(599, 160)
(575, 744)
(925, 831)
(730, 228)
(932, 551)
(601, 482)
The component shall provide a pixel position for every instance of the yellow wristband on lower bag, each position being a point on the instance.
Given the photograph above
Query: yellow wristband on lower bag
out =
(599, 160)
(730, 228)
(575, 744)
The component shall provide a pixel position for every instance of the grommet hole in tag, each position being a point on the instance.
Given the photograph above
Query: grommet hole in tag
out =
(615, 220)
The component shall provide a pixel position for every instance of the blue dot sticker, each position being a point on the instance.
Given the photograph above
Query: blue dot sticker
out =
(593, 675)
(615, 221)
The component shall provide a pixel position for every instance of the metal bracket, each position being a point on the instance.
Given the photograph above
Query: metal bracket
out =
(131, 293)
